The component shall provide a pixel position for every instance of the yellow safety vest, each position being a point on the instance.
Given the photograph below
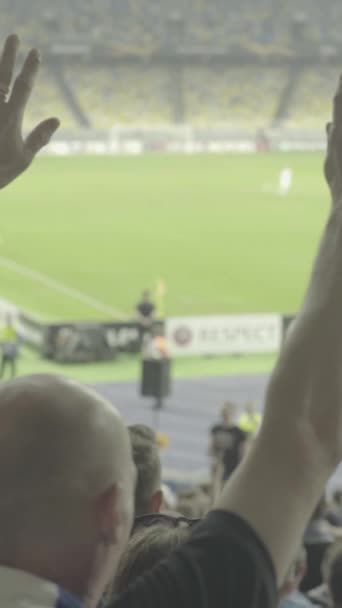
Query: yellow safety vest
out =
(250, 424)
(8, 334)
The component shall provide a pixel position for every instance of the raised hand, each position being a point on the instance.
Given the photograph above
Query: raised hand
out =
(16, 154)
(300, 441)
(333, 163)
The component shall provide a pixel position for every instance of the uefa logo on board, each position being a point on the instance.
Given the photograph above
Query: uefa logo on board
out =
(183, 336)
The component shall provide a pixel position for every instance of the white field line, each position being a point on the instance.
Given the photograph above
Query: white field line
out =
(43, 279)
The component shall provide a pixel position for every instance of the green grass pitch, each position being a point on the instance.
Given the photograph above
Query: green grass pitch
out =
(213, 228)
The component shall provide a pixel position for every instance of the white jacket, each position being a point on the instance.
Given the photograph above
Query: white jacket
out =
(21, 590)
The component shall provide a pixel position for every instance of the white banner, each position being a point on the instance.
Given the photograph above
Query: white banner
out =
(224, 335)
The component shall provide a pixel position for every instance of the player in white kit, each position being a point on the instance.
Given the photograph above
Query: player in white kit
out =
(285, 181)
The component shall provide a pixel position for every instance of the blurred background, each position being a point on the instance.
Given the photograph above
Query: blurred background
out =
(247, 65)
(189, 165)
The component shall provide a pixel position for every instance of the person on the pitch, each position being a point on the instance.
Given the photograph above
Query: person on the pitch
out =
(145, 310)
(9, 341)
(145, 315)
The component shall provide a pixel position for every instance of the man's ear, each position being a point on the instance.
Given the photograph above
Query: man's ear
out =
(108, 525)
(108, 515)
(157, 501)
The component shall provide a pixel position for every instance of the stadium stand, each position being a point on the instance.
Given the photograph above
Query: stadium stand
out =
(238, 97)
(149, 90)
(121, 95)
(141, 23)
(145, 24)
(67, 474)
(319, 25)
(46, 96)
(310, 105)
(141, 95)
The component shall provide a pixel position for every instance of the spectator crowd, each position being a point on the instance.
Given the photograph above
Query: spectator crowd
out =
(314, 577)
(145, 24)
(97, 89)
(238, 98)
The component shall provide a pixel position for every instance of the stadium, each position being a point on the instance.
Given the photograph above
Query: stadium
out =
(188, 162)
(170, 304)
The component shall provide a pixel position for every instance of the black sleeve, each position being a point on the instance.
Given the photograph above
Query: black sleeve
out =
(224, 564)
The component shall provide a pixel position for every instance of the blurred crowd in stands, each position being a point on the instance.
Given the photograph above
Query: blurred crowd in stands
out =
(149, 92)
(147, 25)
(315, 576)
(164, 517)
(245, 97)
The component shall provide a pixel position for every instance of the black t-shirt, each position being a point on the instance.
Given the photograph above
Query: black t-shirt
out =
(146, 309)
(229, 441)
(223, 565)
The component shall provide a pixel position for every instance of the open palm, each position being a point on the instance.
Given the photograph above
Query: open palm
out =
(17, 153)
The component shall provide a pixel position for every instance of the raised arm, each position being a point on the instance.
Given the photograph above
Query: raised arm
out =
(16, 154)
(300, 442)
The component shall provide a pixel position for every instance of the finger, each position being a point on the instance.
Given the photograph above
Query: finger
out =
(328, 165)
(333, 163)
(331, 132)
(337, 113)
(7, 62)
(40, 136)
(25, 81)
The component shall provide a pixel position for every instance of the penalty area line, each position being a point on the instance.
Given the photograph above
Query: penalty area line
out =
(50, 283)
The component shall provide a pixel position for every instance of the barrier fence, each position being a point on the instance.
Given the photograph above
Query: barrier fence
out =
(206, 335)
(228, 335)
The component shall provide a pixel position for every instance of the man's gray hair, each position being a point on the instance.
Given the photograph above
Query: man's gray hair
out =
(60, 446)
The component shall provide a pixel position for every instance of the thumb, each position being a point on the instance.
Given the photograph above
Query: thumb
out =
(40, 136)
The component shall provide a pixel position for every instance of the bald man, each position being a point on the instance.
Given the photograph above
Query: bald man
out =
(66, 491)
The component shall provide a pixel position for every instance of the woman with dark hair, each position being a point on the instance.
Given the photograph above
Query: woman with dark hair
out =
(145, 549)
(148, 546)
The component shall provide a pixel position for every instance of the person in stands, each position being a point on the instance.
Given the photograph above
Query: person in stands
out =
(9, 341)
(68, 482)
(335, 580)
(227, 443)
(66, 470)
(290, 595)
(317, 539)
(145, 450)
(146, 548)
(250, 420)
(334, 509)
(320, 596)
